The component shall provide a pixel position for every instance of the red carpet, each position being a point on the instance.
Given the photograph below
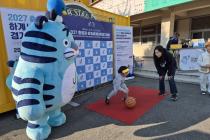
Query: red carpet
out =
(145, 98)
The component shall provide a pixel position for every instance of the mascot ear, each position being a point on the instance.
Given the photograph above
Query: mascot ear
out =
(40, 21)
(51, 15)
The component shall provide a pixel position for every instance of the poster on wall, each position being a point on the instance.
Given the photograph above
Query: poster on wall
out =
(95, 61)
(123, 39)
(15, 23)
(189, 58)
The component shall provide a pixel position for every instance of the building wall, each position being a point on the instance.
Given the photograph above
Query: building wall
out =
(150, 5)
(133, 7)
(122, 7)
(148, 38)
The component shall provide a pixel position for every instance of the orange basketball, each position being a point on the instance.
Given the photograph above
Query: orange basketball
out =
(130, 102)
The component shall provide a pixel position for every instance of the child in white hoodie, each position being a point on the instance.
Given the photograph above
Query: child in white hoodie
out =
(119, 83)
(204, 62)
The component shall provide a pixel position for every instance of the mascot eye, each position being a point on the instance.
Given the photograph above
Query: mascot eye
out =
(65, 42)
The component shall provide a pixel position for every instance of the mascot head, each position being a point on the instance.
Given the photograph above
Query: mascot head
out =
(49, 40)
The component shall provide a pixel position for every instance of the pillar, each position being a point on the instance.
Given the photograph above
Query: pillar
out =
(167, 28)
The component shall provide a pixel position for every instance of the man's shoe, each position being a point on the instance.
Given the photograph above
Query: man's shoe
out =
(174, 98)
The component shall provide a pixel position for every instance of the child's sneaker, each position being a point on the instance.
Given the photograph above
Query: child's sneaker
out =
(106, 101)
(174, 97)
(203, 92)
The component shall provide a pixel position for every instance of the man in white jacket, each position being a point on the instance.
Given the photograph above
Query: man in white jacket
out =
(119, 83)
(204, 62)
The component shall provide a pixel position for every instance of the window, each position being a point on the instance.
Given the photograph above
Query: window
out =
(206, 35)
(158, 40)
(197, 35)
(136, 39)
(136, 34)
(201, 23)
(151, 34)
(201, 28)
(201, 34)
(136, 31)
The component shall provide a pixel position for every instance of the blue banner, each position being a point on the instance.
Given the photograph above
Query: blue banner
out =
(85, 29)
(95, 61)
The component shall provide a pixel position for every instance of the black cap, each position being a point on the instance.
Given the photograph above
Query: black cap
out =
(121, 69)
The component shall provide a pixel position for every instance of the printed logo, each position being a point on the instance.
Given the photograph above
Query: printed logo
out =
(80, 61)
(90, 83)
(78, 9)
(81, 77)
(91, 24)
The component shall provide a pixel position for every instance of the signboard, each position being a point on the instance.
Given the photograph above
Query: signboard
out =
(189, 58)
(78, 9)
(95, 61)
(198, 43)
(15, 23)
(123, 48)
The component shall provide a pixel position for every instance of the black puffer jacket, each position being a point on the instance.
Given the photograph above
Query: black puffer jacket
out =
(166, 63)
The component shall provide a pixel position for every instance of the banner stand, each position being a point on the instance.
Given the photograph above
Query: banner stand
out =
(123, 42)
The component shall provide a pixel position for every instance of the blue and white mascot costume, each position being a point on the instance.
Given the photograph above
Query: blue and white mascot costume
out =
(47, 50)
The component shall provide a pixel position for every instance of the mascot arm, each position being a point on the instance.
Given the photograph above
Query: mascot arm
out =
(30, 104)
(12, 64)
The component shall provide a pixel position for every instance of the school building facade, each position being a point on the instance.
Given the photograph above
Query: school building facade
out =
(154, 21)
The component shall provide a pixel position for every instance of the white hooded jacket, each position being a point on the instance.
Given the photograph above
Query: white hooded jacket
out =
(203, 60)
(119, 82)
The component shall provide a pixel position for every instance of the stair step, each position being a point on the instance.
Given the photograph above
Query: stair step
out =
(192, 79)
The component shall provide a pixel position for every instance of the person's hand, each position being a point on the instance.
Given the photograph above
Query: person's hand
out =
(170, 77)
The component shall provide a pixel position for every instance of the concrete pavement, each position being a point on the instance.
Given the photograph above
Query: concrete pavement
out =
(186, 119)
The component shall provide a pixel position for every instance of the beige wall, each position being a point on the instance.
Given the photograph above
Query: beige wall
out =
(183, 28)
(143, 50)
(167, 29)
